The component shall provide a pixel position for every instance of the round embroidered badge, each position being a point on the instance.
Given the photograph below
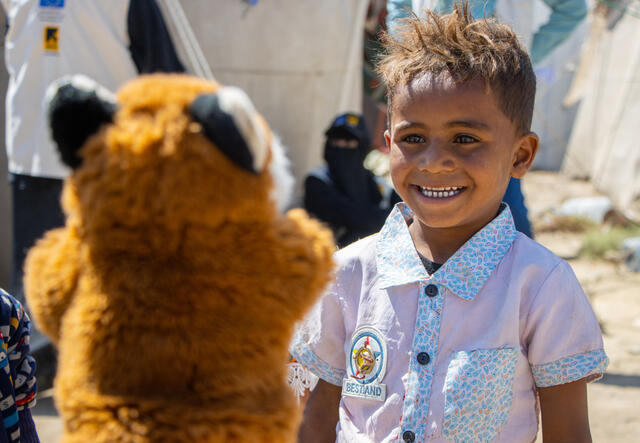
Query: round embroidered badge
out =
(366, 365)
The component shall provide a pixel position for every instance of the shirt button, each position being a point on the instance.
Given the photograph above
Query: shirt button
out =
(431, 290)
(423, 358)
(408, 436)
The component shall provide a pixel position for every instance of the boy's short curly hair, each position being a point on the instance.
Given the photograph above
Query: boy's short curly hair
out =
(466, 49)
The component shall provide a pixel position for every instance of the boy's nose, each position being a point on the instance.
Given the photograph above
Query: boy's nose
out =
(436, 157)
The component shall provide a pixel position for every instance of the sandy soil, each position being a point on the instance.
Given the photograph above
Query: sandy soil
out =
(614, 292)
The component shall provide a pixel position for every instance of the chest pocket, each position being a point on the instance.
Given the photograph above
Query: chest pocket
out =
(478, 390)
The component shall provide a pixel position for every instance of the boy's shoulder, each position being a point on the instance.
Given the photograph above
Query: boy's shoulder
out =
(360, 249)
(528, 256)
(358, 253)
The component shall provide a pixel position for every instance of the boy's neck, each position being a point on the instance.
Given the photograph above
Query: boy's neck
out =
(439, 244)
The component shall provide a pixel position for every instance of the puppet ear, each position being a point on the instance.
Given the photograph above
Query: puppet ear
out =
(231, 122)
(77, 107)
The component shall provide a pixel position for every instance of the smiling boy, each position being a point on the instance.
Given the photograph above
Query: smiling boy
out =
(448, 325)
(452, 151)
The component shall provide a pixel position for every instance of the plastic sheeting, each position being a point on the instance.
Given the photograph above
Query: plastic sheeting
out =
(604, 144)
(299, 61)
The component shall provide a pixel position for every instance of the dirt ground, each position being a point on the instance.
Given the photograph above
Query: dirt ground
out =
(615, 295)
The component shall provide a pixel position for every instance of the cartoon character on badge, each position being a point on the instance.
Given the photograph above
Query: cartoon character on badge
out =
(365, 359)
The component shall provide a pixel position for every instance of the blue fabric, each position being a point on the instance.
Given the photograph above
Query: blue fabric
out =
(565, 16)
(515, 199)
(479, 8)
(28, 433)
(11, 420)
(397, 9)
(17, 379)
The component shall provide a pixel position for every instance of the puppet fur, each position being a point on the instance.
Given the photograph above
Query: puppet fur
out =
(173, 289)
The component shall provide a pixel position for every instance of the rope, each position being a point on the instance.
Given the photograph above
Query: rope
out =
(194, 53)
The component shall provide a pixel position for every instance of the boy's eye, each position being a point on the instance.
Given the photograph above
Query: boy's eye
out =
(413, 138)
(464, 139)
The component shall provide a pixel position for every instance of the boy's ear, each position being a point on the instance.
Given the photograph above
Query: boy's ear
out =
(524, 155)
(77, 107)
(387, 138)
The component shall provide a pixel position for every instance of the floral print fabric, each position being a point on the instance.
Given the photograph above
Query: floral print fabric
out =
(301, 352)
(572, 368)
(478, 392)
(464, 273)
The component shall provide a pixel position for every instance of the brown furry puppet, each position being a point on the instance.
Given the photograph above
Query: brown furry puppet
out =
(173, 289)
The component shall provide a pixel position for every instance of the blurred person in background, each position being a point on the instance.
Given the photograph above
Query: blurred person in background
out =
(18, 386)
(342, 192)
(108, 41)
(564, 18)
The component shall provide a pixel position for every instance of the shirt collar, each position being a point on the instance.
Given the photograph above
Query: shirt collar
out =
(464, 273)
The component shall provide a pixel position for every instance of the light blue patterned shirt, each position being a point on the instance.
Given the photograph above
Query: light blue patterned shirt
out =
(459, 353)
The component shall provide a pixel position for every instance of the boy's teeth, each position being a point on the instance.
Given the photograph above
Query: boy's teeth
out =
(440, 192)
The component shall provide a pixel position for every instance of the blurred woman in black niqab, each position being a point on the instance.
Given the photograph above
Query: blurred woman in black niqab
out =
(343, 193)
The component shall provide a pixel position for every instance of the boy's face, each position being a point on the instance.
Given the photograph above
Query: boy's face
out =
(452, 152)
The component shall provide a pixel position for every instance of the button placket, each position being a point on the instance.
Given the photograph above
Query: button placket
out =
(408, 436)
(420, 376)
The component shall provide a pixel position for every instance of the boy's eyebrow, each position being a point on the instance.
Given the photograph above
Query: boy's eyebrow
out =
(475, 124)
(407, 124)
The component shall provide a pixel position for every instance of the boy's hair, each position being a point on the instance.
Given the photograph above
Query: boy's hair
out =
(467, 50)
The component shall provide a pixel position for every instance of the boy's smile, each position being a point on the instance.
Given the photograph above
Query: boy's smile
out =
(452, 152)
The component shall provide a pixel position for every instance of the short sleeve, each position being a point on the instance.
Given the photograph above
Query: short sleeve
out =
(318, 343)
(563, 338)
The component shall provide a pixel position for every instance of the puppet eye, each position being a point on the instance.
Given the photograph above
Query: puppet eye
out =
(231, 122)
(77, 107)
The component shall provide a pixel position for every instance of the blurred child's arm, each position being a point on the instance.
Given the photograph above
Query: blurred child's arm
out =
(50, 277)
(320, 414)
(564, 413)
(21, 369)
(397, 9)
(565, 16)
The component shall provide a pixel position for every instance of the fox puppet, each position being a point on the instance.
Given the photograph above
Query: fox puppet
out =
(172, 291)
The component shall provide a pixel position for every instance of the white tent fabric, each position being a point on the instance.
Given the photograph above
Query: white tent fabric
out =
(552, 121)
(299, 61)
(604, 145)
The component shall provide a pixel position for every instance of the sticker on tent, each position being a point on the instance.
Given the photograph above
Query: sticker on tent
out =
(51, 38)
